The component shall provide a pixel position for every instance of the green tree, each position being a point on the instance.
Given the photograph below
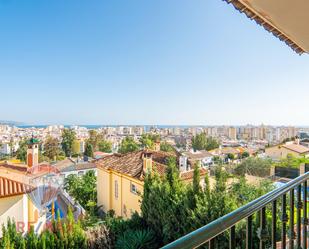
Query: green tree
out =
(147, 140)
(21, 152)
(51, 148)
(88, 150)
(164, 146)
(163, 203)
(202, 142)
(291, 161)
(105, 146)
(196, 180)
(245, 154)
(68, 137)
(230, 156)
(94, 139)
(83, 189)
(254, 166)
(128, 145)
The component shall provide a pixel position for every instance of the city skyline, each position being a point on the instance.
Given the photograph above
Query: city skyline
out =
(147, 63)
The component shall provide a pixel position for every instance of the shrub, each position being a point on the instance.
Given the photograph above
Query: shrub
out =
(137, 239)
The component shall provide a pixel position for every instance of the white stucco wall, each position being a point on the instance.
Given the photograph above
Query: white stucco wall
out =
(15, 207)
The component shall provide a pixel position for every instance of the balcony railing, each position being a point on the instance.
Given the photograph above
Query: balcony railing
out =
(292, 198)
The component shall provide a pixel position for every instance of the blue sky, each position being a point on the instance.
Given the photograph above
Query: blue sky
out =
(145, 62)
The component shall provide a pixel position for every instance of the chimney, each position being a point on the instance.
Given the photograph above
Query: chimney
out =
(156, 146)
(147, 162)
(183, 163)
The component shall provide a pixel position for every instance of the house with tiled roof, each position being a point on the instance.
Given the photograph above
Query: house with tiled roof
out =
(283, 150)
(74, 167)
(202, 157)
(120, 178)
(14, 188)
(21, 193)
(16, 204)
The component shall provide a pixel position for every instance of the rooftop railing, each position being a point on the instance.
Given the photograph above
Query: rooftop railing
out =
(290, 200)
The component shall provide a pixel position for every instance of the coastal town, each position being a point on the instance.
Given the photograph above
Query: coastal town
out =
(253, 138)
(154, 124)
(96, 175)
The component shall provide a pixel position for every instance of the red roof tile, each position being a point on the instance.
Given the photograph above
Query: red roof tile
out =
(10, 187)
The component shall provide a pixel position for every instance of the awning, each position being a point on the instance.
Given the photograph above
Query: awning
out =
(286, 19)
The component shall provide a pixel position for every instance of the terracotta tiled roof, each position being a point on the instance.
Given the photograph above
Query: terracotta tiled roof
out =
(187, 175)
(198, 154)
(79, 166)
(10, 187)
(225, 151)
(132, 164)
(20, 168)
(297, 148)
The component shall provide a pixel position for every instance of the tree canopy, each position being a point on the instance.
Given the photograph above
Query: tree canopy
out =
(21, 152)
(128, 145)
(164, 146)
(202, 142)
(68, 137)
(254, 166)
(88, 150)
(291, 161)
(105, 146)
(83, 189)
(52, 148)
(148, 140)
(173, 209)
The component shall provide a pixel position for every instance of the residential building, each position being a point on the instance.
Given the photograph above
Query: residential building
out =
(5, 149)
(232, 133)
(120, 179)
(283, 150)
(202, 157)
(15, 204)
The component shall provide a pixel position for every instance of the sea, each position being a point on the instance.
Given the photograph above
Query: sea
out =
(90, 127)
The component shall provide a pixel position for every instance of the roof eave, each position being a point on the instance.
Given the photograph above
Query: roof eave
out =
(266, 25)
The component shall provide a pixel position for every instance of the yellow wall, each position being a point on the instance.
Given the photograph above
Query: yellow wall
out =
(278, 152)
(127, 202)
(103, 189)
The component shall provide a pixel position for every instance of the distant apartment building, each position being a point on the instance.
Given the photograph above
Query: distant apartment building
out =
(5, 149)
(138, 130)
(232, 133)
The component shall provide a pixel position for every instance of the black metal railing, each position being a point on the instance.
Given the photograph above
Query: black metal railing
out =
(292, 235)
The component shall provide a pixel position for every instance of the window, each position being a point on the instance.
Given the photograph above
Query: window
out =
(116, 189)
(133, 188)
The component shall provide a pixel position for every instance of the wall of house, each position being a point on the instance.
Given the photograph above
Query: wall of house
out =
(14, 207)
(278, 152)
(22, 210)
(131, 200)
(116, 198)
(103, 189)
(124, 202)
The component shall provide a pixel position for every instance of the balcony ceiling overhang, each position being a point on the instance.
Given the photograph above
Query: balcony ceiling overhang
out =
(286, 19)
